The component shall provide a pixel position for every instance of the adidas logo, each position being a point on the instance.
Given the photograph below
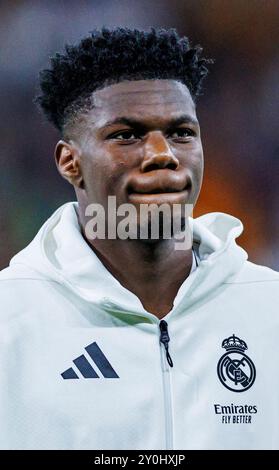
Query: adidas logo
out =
(86, 369)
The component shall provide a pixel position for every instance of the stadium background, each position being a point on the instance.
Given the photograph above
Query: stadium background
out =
(238, 112)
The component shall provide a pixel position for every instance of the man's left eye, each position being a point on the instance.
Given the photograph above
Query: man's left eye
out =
(182, 133)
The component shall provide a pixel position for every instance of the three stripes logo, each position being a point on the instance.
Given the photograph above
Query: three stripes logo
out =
(86, 369)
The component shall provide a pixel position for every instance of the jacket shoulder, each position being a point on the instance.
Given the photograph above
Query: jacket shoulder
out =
(20, 289)
(18, 272)
(255, 273)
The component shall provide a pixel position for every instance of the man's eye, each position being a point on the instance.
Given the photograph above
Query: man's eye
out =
(127, 135)
(182, 133)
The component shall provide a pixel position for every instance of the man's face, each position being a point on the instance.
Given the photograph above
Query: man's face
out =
(142, 144)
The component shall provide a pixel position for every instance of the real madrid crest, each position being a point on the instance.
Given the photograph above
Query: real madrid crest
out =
(235, 369)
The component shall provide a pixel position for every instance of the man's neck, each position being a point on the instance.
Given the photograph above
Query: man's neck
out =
(153, 271)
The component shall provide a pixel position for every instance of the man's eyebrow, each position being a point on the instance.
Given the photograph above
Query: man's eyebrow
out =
(171, 123)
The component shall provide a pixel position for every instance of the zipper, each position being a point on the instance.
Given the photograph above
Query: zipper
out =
(166, 363)
(164, 338)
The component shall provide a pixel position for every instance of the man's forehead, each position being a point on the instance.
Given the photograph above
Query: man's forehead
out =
(140, 87)
(150, 98)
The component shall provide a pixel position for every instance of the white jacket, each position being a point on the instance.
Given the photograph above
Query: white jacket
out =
(83, 367)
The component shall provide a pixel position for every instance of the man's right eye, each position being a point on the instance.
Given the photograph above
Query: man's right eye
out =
(125, 135)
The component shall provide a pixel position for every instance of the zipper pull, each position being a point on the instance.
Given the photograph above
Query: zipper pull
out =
(164, 338)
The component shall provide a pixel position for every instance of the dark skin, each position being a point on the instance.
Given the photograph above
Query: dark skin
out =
(129, 159)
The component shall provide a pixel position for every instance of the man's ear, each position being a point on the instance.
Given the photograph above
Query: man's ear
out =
(67, 158)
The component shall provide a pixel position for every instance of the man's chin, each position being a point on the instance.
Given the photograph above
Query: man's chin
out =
(164, 230)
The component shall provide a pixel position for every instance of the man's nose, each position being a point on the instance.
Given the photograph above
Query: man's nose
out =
(157, 153)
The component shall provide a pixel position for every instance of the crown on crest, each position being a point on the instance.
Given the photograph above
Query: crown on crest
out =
(233, 342)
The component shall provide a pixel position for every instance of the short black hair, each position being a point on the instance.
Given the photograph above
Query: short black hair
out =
(109, 56)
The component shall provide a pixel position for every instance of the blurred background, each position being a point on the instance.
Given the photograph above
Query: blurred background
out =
(238, 113)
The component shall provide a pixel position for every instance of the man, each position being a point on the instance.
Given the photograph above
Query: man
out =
(131, 343)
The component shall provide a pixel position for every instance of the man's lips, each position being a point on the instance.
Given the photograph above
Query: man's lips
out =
(157, 191)
(159, 184)
(158, 188)
(177, 197)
